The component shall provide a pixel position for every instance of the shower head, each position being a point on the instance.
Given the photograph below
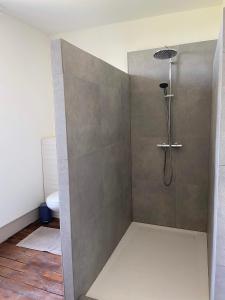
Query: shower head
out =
(164, 86)
(165, 54)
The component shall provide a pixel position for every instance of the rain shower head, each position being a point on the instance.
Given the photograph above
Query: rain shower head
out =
(165, 54)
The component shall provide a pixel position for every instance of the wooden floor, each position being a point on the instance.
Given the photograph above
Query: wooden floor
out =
(29, 274)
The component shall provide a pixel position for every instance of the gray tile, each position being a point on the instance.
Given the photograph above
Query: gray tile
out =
(116, 223)
(111, 115)
(117, 186)
(126, 110)
(192, 161)
(142, 65)
(90, 252)
(83, 111)
(65, 225)
(88, 67)
(110, 76)
(215, 234)
(153, 203)
(220, 248)
(221, 115)
(86, 185)
(221, 219)
(95, 246)
(99, 225)
(77, 62)
(62, 165)
(221, 149)
(191, 55)
(192, 112)
(146, 94)
(220, 283)
(60, 118)
(126, 175)
(147, 159)
(191, 207)
(221, 37)
(112, 174)
(147, 110)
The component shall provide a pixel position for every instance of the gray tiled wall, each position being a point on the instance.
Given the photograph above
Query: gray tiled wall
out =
(214, 166)
(93, 144)
(217, 199)
(184, 203)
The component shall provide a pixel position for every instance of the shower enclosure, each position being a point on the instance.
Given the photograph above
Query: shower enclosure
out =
(112, 208)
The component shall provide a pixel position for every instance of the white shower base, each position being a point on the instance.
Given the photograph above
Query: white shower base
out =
(155, 263)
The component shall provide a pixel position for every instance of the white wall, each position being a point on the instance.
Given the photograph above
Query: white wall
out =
(112, 42)
(26, 115)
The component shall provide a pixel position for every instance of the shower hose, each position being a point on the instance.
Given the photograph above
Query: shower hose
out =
(168, 167)
(168, 157)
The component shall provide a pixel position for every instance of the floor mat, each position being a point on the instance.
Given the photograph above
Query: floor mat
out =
(43, 239)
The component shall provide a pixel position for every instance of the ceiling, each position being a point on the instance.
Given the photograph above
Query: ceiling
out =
(54, 16)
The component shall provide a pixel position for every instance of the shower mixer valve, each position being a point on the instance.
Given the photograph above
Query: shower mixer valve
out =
(164, 145)
(169, 96)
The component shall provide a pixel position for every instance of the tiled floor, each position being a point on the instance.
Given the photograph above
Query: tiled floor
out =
(29, 274)
(155, 263)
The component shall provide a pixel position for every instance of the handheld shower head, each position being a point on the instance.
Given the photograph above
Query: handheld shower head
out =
(164, 86)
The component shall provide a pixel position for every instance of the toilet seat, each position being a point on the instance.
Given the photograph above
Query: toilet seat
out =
(52, 201)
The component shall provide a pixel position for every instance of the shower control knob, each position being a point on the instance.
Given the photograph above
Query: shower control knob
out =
(176, 145)
(163, 145)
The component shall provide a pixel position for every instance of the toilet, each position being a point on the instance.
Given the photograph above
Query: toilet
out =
(52, 202)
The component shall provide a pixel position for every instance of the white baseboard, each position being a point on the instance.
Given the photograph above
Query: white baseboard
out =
(17, 225)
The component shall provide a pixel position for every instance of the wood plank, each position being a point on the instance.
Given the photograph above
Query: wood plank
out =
(29, 274)
(33, 279)
(53, 276)
(6, 294)
(32, 258)
(12, 264)
(22, 267)
(25, 253)
(25, 290)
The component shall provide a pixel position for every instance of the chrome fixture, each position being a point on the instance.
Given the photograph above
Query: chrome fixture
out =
(164, 145)
(165, 53)
(168, 95)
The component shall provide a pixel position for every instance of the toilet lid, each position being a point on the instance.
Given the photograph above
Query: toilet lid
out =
(53, 198)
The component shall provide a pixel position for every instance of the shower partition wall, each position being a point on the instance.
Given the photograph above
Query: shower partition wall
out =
(216, 228)
(93, 145)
